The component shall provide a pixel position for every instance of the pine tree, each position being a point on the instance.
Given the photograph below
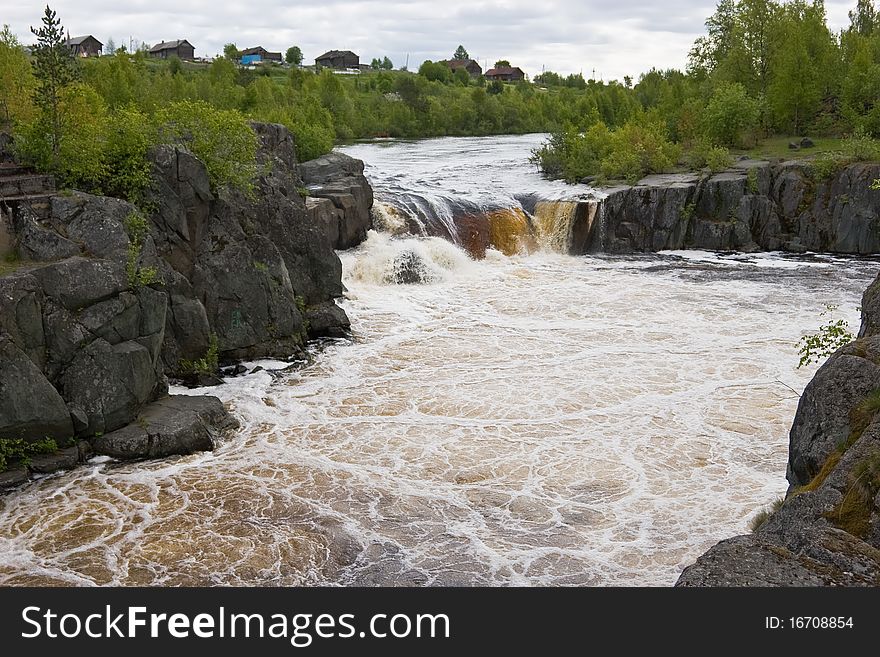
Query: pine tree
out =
(54, 68)
(461, 53)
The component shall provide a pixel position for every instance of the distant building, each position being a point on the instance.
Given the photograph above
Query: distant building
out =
(85, 46)
(506, 74)
(180, 48)
(469, 65)
(258, 55)
(338, 59)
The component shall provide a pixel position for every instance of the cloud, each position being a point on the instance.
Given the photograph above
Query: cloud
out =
(624, 37)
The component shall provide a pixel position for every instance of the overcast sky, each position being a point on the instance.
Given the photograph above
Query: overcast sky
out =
(614, 37)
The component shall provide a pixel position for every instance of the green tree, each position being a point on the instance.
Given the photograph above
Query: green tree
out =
(502, 63)
(387, 64)
(222, 139)
(294, 56)
(710, 50)
(375, 64)
(730, 116)
(54, 69)
(16, 81)
(77, 160)
(231, 53)
(864, 19)
(461, 53)
(435, 71)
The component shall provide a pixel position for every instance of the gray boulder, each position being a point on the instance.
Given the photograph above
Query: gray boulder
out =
(169, 426)
(340, 179)
(30, 407)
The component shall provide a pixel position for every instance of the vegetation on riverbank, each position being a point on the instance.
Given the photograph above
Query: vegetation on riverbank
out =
(765, 68)
(106, 112)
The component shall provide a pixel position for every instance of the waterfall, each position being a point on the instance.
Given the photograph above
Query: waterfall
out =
(529, 224)
(554, 224)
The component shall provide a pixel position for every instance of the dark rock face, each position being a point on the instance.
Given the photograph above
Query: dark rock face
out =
(340, 179)
(173, 425)
(827, 532)
(754, 206)
(30, 407)
(85, 349)
(247, 268)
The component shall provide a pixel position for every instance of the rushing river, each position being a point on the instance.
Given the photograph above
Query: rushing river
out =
(528, 420)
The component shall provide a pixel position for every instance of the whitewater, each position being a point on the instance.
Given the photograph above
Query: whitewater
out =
(524, 419)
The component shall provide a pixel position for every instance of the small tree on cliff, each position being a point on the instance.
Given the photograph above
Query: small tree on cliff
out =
(55, 69)
(461, 53)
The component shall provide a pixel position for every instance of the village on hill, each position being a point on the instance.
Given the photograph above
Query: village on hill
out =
(340, 61)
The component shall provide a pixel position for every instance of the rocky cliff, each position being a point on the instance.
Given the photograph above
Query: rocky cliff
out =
(827, 531)
(755, 206)
(106, 301)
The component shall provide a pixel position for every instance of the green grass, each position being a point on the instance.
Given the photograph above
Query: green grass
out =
(853, 513)
(10, 264)
(777, 147)
(764, 515)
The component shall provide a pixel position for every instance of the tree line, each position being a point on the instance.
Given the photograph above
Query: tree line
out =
(763, 68)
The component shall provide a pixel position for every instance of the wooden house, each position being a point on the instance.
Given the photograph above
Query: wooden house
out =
(85, 46)
(338, 59)
(180, 48)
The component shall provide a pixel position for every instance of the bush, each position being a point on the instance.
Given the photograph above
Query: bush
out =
(16, 449)
(638, 150)
(703, 155)
(629, 153)
(572, 155)
(129, 136)
(730, 116)
(222, 139)
(80, 162)
(860, 147)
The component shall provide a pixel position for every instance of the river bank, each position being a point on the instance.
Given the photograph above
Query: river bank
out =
(535, 418)
(105, 302)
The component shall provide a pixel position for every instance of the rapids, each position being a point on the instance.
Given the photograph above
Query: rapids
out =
(531, 419)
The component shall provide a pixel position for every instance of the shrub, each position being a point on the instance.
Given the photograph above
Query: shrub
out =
(16, 449)
(129, 136)
(208, 364)
(80, 160)
(222, 139)
(137, 228)
(703, 155)
(860, 147)
(636, 149)
(730, 115)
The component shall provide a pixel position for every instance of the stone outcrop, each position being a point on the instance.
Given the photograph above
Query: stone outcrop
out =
(173, 425)
(87, 339)
(755, 206)
(339, 179)
(827, 531)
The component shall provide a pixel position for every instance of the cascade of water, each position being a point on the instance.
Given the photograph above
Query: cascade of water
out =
(554, 224)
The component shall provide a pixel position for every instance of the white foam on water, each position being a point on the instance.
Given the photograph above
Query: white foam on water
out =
(375, 261)
(535, 420)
